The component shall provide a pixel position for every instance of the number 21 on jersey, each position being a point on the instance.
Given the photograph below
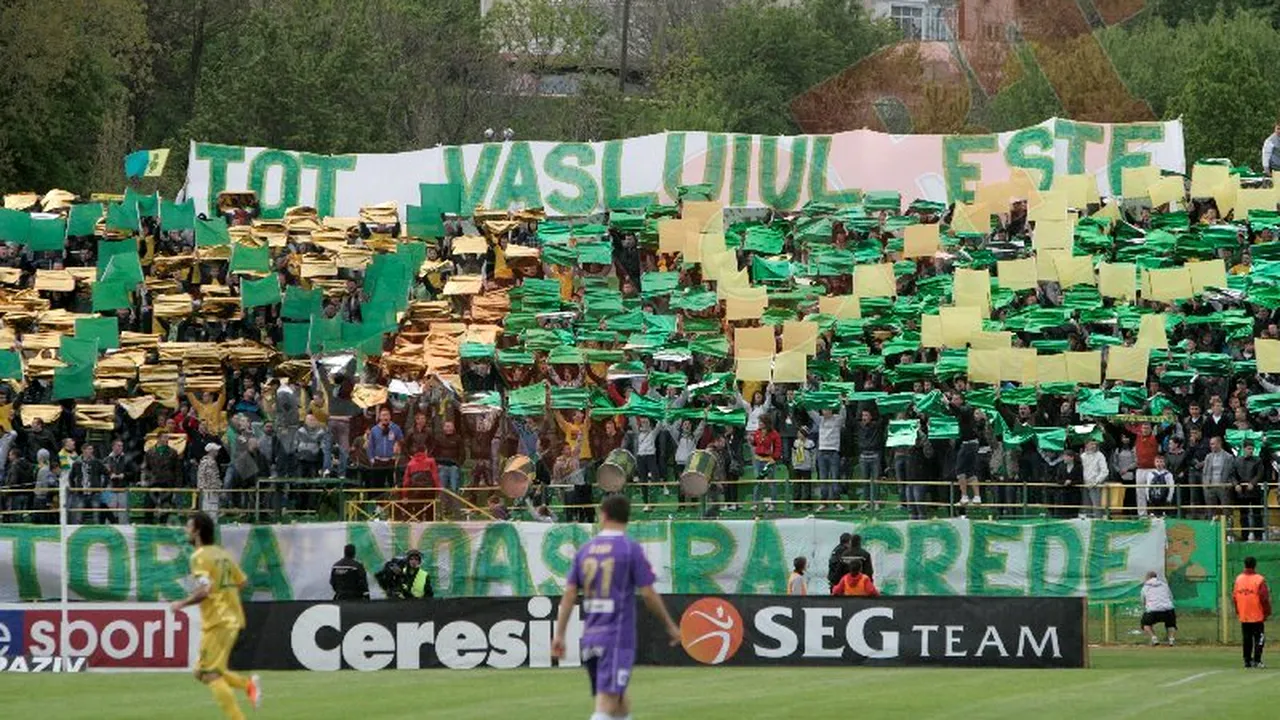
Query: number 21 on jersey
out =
(597, 584)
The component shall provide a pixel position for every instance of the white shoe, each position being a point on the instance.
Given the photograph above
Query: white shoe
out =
(647, 508)
(977, 499)
(839, 507)
(964, 500)
(666, 490)
(753, 508)
(768, 507)
(820, 508)
(1154, 641)
(1170, 642)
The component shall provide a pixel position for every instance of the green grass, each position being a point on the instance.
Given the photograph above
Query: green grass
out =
(1123, 683)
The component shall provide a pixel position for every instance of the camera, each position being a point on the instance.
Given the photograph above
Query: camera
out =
(392, 578)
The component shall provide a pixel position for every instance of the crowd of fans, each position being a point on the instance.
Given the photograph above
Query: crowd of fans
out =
(393, 360)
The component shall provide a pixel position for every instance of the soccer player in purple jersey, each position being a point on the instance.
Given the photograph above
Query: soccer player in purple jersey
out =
(608, 571)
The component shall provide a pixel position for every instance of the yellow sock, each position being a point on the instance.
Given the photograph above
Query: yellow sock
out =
(235, 680)
(226, 699)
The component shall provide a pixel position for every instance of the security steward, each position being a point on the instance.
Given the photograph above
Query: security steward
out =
(348, 577)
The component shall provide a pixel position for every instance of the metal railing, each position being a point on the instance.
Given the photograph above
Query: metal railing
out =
(294, 499)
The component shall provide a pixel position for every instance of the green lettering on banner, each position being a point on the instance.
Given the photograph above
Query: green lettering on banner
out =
(367, 550)
(1078, 136)
(611, 176)
(79, 564)
(457, 544)
(1044, 537)
(163, 562)
(264, 566)
(218, 157)
(881, 539)
(674, 164)
(401, 543)
(1122, 157)
(820, 177)
(25, 569)
(558, 562)
(518, 186)
(1016, 155)
(985, 560)
(740, 169)
(649, 533)
(956, 171)
(475, 188)
(290, 182)
(501, 562)
(1105, 556)
(766, 568)
(789, 196)
(327, 167)
(695, 573)
(925, 570)
(557, 169)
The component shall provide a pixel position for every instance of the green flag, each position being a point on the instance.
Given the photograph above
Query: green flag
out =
(47, 234)
(296, 337)
(118, 261)
(78, 351)
(121, 216)
(10, 365)
(15, 226)
(212, 233)
(252, 259)
(111, 295)
(301, 304)
(82, 219)
(903, 433)
(105, 331)
(178, 216)
(73, 383)
(255, 293)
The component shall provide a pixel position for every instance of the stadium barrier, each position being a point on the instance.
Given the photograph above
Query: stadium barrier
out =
(111, 637)
(731, 630)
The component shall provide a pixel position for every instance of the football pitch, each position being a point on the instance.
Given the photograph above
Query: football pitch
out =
(1123, 682)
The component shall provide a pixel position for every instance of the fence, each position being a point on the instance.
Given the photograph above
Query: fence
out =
(294, 499)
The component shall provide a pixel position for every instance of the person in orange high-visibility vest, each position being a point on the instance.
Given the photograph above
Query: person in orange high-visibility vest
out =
(855, 583)
(1253, 606)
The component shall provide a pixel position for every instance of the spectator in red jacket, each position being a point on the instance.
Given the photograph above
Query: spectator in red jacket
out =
(1145, 448)
(766, 443)
(421, 480)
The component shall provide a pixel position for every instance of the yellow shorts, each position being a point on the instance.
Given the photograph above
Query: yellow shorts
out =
(215, 648)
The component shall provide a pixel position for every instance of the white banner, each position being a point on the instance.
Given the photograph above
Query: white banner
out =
(1101, 559)
(784, 172)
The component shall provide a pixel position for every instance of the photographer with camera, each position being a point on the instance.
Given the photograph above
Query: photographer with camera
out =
(405, 579)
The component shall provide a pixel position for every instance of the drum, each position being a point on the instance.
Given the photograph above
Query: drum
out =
(616, 470)
(516, 476)
(696, 478)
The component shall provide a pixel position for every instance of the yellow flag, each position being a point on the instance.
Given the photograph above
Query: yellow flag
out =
(931, 331)
(971, 218)
(1052, 235)
(972, 288)
(1127, 363)
(1151, 334)
(1170, 284)
(1167, 190)
(1134, 182)
(1085, 367)
(1017, 274)
(1050, 205)
(1074, 269)
(843, 307)
(874, 281)
(800, 335)
(751, 342)
(790, 366)
(1268, 354)
(984, 366)
(1118, 280)
(920, 241)
(1207, 179)
(754, 369)
(1207, 274)
(1018, 365)
(983, 340)
(959, 324)
(1052, 368)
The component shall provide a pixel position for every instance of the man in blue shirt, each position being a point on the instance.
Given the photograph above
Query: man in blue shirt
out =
(383, 448)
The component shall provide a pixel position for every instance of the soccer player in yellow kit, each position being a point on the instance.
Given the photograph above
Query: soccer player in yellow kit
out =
(218, 583)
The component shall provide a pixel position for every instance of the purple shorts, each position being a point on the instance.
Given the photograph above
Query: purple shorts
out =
(609, 668)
